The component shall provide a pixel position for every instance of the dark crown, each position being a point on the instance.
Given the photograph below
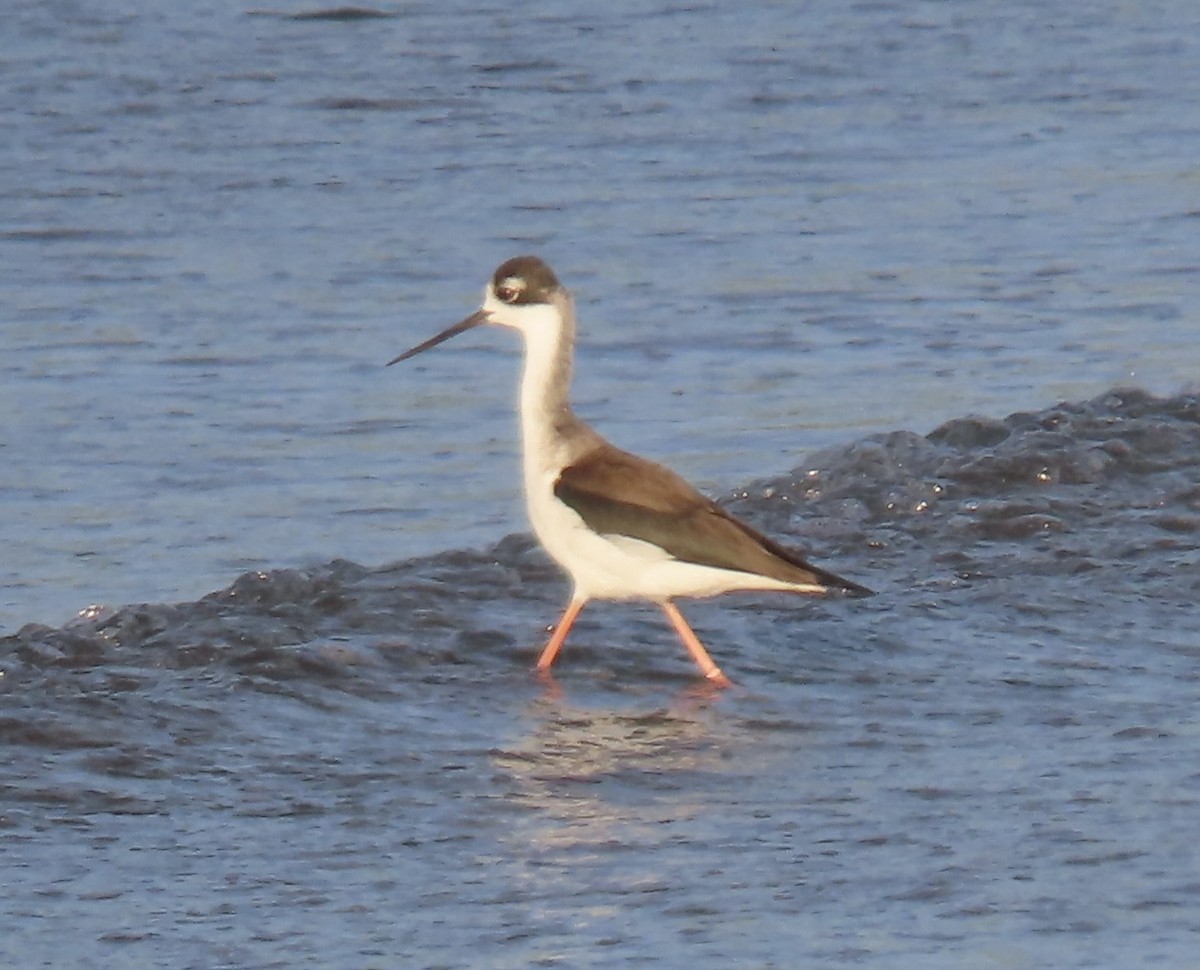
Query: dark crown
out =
(523, 280)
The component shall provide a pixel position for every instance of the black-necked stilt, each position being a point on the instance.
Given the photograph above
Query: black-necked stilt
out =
(622, 527)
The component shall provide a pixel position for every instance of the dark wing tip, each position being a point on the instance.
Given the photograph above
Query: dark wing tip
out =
(831, 581)
(849, 588)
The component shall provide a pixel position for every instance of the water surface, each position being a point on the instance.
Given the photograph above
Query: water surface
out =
(909, 285)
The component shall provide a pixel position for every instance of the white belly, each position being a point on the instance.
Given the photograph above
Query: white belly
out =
(618, 567)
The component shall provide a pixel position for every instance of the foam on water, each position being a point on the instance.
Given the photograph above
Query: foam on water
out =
(1105, 486)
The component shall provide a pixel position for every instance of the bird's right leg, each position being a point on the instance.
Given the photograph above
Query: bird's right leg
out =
(559, 636)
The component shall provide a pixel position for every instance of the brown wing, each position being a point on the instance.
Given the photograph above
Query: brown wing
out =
(617, 493)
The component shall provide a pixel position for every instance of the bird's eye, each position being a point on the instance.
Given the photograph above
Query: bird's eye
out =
(510, 290)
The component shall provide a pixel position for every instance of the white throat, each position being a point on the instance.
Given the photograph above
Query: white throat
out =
(546, 416)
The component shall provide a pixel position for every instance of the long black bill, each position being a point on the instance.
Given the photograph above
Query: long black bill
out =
(474, 320)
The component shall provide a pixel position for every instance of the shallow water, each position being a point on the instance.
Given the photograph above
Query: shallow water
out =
(845, 240)
(992, 762)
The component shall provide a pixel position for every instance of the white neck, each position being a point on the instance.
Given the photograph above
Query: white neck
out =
(551, 434)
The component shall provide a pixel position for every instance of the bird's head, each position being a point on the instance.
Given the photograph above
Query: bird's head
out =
(523, 294)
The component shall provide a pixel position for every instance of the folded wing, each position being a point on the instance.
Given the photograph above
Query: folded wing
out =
(617, 493)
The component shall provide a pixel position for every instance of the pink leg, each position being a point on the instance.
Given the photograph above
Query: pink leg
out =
(711, 671)
(560, 634)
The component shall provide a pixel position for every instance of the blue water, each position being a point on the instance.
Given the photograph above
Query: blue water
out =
(784, 227)
(789, 227)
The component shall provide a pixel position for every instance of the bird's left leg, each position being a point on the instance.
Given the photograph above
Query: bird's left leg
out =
(711, 671)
